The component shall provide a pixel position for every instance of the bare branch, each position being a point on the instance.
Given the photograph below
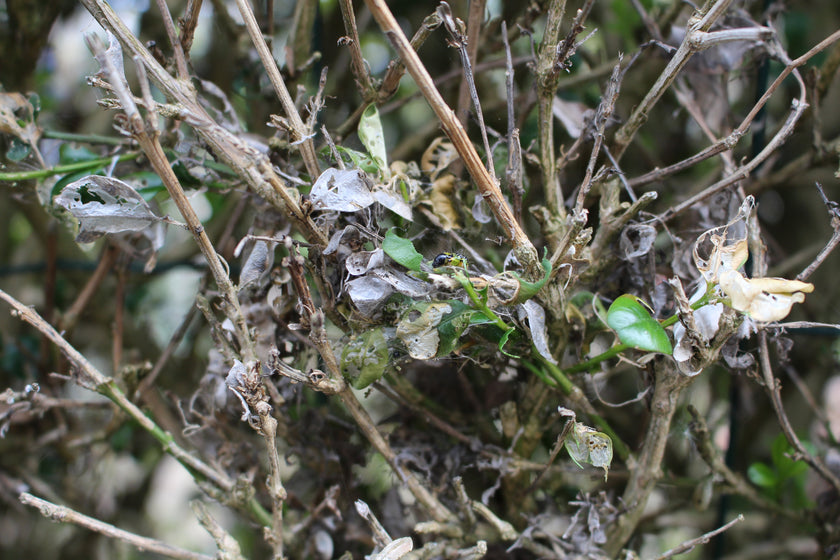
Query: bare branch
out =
(64, 514)
(357, 61)
(177, 46)
(774, 390)
(299, 132)
(522, 246)
(702, 539)
(697, 26)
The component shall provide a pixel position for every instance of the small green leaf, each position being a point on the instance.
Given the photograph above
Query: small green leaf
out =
(70, 153)
(635, 327)
(778, 450)
(402, 251)
(527, 290)
(34, 100)
(786, 467)
(18, 150)
(357, 159)
(67, 179)
(184, 176)
(504, 340)
(454, 324)
(762, 475)
(371, 135)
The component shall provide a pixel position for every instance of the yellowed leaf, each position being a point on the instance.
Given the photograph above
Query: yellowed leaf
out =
(763, 299)
(437, 157)
(441, 199)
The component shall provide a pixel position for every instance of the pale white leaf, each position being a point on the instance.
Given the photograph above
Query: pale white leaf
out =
(539, 332)
(105, 205)
(341, 190)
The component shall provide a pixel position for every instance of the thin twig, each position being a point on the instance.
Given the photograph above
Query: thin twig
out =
(393, 75)
(712, 456)
(742, 172)
(174, 341)
(547, 75)
(63, 514)
(834, 218)
(555, 450)
(150, 144)
(523, 248)
(228, 546)
(466, 89)
(460, 42)
(774, 389)
(188, 23)
(68, 319)
(302, 36)
(313, 317)
(357, 60)
(248, 163)
(297, 128)
(799, 107)
(698, 24)
(702, 539)
(602, 117)
(513, 171)
(177, 46)
(91, 378)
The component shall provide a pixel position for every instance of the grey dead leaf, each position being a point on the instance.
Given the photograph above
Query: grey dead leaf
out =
(480, 211)
(341, 190)
(539, 332)
(395, 549)
(393, 201)
(402, 282)
(341, 240)
(359, 263)
(236, 374)
(258, 263)
(105, 205)
(571, 114)
(368, 293)
(637, 240)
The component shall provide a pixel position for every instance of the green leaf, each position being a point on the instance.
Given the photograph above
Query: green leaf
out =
(635, 327)
(527, 290)
(785, 466)
(778, 450)
(70, 153)
(358, 159)
(504, 340)
(67, 179)
(18, 150)
(371, 135)
(365, 358)
(402, 251)
(148, 184)
(184, 176)
(34, 100)
(762, 475)
(454, 324)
